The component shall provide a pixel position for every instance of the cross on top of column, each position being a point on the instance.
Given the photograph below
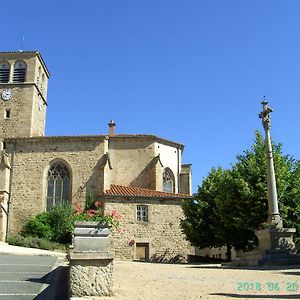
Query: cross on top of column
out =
(265, 114)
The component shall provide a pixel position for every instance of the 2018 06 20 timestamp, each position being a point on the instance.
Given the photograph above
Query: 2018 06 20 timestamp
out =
(251, 286)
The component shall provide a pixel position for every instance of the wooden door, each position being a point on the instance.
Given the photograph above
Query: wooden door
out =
(142, 251)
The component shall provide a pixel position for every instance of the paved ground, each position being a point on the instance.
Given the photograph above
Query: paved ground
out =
(32, 276)
(26, 277)
(148, 281)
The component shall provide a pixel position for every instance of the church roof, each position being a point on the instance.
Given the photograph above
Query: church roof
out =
(98, 136)
(121, 190)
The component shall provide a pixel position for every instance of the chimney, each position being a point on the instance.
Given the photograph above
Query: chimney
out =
(111, 126)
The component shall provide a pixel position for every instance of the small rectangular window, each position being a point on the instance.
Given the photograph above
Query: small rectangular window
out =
(142, 213)
(4, 145)
(7, 114)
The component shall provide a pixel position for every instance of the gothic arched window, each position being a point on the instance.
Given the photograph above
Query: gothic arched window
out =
(19, 72)
(58, 185)
(168, 181)
(4, 72)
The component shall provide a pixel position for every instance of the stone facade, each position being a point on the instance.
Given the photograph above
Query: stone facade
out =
(94, 163)
(29, 99)
(161, 233)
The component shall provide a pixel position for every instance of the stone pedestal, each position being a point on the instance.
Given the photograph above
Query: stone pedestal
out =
(276, 247)
(276, 239)
(91, 262)
(91, 274)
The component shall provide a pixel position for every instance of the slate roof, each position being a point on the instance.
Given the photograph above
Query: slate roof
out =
(131, 191)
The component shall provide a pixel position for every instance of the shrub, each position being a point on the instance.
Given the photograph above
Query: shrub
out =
(55, 225)
(89, 201)
(33, 242)
(61, 222)
(38, 226)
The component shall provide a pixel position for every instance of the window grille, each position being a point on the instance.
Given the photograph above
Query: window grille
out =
(4, 72)
(142, 213)
(168, 181)
(58, 190)
(19, 72)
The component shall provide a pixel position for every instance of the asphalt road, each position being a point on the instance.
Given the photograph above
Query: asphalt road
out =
(32, 277)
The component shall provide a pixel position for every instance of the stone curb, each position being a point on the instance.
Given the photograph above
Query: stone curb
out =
(16, 250)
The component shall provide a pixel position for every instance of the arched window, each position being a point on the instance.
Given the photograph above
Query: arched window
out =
(19, 72)
(4, 72)
(58, 190)
(168, 181)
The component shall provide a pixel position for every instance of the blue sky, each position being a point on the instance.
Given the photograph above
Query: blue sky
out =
(191, 71)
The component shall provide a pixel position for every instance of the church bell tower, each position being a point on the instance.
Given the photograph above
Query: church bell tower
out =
(23, 94)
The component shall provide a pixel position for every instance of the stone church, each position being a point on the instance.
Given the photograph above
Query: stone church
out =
(138, 175)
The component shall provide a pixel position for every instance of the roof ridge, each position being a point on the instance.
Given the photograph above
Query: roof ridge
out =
(134, 191)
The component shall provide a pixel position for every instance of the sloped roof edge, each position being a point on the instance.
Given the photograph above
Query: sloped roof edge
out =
(97, 136)
(130, 191)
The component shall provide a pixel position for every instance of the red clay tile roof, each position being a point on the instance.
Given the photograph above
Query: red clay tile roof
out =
(120, 190)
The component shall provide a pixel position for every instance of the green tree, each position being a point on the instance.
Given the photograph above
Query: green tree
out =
(201, 220)
(231, 204)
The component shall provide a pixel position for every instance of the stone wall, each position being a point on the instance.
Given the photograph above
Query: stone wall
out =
(32, 161)
(162, 231)
(131, 161)
(20, 107)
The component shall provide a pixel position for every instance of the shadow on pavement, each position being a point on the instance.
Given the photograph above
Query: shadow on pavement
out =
(257, 268)
(57, 281)
(246, 296)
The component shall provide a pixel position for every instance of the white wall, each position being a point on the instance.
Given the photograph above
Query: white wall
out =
(169, 159)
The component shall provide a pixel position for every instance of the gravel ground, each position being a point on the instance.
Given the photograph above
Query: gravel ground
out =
(145, 281)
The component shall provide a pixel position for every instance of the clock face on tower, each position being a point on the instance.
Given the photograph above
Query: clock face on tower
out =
(6, 94)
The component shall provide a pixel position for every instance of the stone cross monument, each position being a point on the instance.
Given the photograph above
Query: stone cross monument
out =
(274, 216)
(275, 243)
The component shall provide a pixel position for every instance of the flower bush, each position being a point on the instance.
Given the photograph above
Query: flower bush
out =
(96, 213)
(51, 228)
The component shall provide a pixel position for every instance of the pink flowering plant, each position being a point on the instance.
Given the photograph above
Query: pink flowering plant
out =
(95, 212)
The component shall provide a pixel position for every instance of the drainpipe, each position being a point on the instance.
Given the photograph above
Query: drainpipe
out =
(10, 186)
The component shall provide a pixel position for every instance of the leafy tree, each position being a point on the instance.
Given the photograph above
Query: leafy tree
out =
(201, 222)
(231, 204)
